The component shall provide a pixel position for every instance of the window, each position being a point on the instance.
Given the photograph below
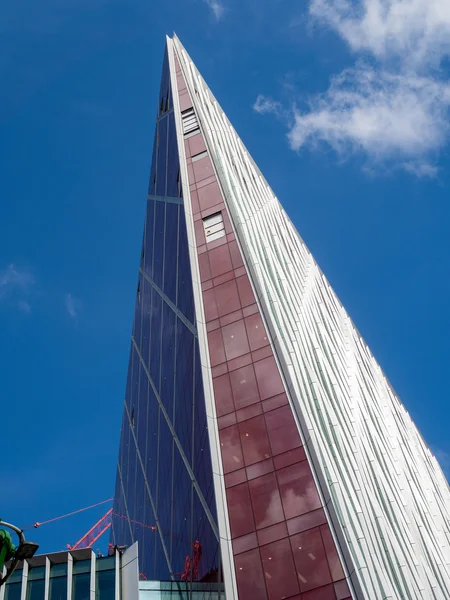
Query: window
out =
(58, 582)
(36, 584)
(190, 121)
(214, 227)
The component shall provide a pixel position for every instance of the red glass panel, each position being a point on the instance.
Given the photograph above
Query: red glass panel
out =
(222, 395)
(210, 305)
(202, 168)
(266, 501)
(282, 429)
(209, 195)
(216, 349)
(205, 269)
(306, 521)
(254, 440)
(196, 144)
(245, 543)
(240, 510)
(279, 570)
(256, 332)
(268, 378)
(235, 478)
(298, 490)
(236, 257)
(250, 576)
(260, 468)
(334, 562)
(274, 402)
(290, 458)
(245, 291)
(227, 298)
(220, 260)
(248, 412)
(230, 446)
(342, 590)
(244, 387)
(310, 560)
(235, 340)
(322, 593)
(272, 534)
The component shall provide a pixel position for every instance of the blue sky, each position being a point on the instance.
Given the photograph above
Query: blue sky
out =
(343, 106)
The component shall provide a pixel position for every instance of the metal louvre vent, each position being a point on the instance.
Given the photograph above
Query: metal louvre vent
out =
(190, 122)
(214, 227)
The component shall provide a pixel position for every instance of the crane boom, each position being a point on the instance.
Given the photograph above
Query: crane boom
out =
(94, 533)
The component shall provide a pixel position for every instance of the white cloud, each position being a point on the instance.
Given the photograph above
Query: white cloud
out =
(393, 104)
(265, 105)
(72, 306)
(415, 31)
(217, 8)
(16, 284)
(402, 118)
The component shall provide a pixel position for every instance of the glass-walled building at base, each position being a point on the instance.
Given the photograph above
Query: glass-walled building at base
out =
(180, 590)
(75, 575)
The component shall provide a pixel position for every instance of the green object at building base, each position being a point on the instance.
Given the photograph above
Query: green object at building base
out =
(7, 548)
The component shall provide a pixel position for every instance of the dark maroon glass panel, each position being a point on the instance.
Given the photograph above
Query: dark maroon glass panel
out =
(220, 260)
(230, 446)
(244, 387)
(250, 576)
(279, 570)
(282, 429)
(216, 349)
(298, 490)
(240, 510)
(310, 560)
(254, 440)
(334, 561)
(235, 340)
(227, 298)
(268, 378)
(322, 593)
(256, 332)
(266, 501)
(222, 395)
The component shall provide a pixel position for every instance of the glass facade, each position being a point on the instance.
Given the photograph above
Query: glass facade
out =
(32, 586)
(164, 496)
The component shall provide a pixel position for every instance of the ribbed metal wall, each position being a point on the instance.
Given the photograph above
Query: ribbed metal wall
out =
(386, 490)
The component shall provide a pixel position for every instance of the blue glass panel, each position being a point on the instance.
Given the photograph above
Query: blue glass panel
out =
(155, 338)
(158, 258)
(137, 327)
(152, 442)
(141, 411)
(35, 590)
(185, 295)
(152, 181)
(184, 387)
(149, 237)
(171, 250)
(146, 302)
(168, 359)
(173, 165)
(161, 166)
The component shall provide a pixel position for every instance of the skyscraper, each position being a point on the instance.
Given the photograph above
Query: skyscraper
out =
(262, 445)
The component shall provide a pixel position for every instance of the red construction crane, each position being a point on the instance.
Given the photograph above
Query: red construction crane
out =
(190, 572)
(102, 525)
(89, 538)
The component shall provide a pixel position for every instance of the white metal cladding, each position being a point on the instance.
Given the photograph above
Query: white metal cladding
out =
(390, 496)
